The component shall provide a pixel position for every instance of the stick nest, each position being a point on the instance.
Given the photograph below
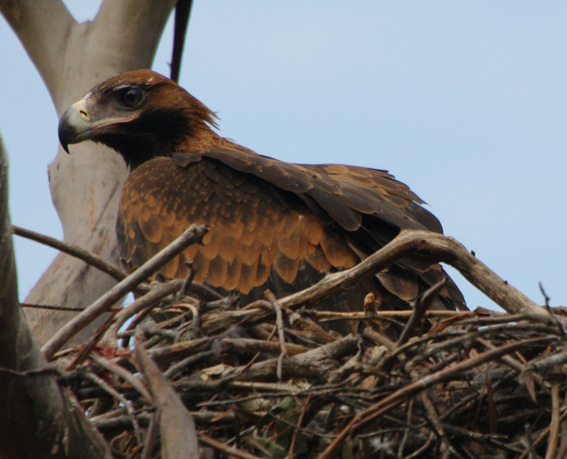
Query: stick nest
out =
(265, 381)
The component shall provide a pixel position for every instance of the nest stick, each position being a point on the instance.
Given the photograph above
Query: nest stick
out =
(146, 301)
(416, 387)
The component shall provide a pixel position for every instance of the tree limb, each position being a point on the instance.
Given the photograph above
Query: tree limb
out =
(38, 419)
(433, 247)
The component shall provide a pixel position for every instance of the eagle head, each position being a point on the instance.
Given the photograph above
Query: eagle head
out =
(140, 114)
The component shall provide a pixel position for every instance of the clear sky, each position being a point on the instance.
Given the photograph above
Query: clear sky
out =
(466, 102)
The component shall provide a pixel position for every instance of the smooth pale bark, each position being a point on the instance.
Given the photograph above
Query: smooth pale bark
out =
(85, 186)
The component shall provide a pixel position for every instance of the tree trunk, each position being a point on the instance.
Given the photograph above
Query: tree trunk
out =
(85, 186)
(37, 417)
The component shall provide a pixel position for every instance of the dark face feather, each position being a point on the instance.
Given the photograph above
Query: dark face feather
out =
(141, 115)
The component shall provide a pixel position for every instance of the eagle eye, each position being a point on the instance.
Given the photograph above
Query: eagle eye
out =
(131, 96)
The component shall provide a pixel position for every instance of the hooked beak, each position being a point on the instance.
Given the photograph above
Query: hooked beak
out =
(77, 124)
(73, 128)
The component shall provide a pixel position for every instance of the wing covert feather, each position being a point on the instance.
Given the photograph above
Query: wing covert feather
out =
(252, 230)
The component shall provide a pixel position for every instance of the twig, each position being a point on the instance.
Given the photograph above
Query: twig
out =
(386, 314)
(190, 236)
(118, 396)
(554, 426)
(118, 421)
(446, 449)
(280, 327)
(51, 307)
(545, 297)
(316, 363)
(421, 306)
(544, 364)
(506, 358)
(173, 370)
(122, 373)
(459, 339)
(297, 428)
(542, 436)
(481, 437)
(148, 300)
(205, 292)
(405, 436)
(185, 288)
(333, 389)
(268, 339)
(378, 338)
(73, 250)
(256, 345)
(288, 389)
(419, 452)
(86, 349)
(47, 371)
(230, 450)
(180, 350)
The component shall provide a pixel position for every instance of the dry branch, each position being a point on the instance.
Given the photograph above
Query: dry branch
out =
(73, 250)
(316, 364)
(433, 247)
(177, 427)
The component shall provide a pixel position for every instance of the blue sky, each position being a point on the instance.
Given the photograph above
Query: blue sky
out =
(464, 102)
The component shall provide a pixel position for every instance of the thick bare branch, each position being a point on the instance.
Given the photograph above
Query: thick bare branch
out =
(177, 427)
(38, 418)
(435, 248)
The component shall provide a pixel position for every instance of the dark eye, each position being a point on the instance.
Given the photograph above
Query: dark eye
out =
(131, 96)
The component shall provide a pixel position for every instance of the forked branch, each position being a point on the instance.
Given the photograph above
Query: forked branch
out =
(433, 247)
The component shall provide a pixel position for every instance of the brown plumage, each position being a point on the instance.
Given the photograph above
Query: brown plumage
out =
(273, 224)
